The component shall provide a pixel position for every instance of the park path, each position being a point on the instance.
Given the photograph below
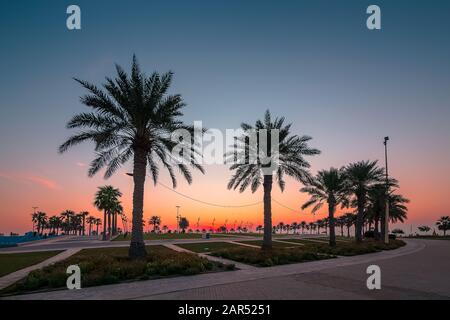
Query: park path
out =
(238, 265)
(310, 280)
(13, 277)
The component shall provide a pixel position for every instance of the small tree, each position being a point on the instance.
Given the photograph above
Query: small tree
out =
(424, 229)
(397, 231)
(184, 224)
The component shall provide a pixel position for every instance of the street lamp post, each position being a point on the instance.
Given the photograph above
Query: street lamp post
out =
(386, 214)
(178, 219)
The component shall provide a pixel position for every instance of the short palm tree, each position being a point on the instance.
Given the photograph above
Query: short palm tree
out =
(133, 118)
(303, 226)
(66, 217)
(106, 199)
(443, 224)
(83, 216)
(155, 221)
(349, 220)
(289, 160)
(361, 176)
(328, 186)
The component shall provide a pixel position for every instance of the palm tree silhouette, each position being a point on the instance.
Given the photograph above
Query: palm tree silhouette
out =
(349, 220)
(361, 176)
(289, 161)
(155, 221)
(133, 118)
(106, 199)
(83, 216)
(328, 186)
(443, 224)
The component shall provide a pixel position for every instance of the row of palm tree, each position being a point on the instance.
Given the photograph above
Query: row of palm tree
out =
(107, 199)
(133, 117)
(360, 185)
(68, 222)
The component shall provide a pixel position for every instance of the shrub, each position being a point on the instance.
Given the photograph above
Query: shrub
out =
(112, 265)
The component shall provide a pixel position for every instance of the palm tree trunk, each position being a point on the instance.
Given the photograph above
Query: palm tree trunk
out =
(137, 246)
(104, 225)
(267, 238)
(331, 209)
(359, 219)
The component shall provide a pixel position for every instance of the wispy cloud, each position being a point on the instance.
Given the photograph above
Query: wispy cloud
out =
(27, 178)
(81, 164)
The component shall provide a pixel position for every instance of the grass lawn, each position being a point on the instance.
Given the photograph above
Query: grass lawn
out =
(352, 249)
(208, 246)
(236, 234)
(162, 236)
(268, 258)
(10, 262)
(275, 243)
(111, 265)
(310, 251)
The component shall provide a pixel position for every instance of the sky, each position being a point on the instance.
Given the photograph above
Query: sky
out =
(313, 62)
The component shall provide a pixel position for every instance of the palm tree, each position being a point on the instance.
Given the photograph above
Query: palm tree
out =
(41, 221)
(288, 160)
(98, 222)
(294, 227)
(303, 226)
(116, 210)
(312, 227)
(90, 221)
(67, 216)
(106, 199)
(328, 186)
(361, 176)
(350, 220)
(443, 224)
(340, 222)
(165, 228)
(280, 226)
(83, 216)
(155, 221)
(184, 224)
(54, 223)
(133, 118)
(259, 228)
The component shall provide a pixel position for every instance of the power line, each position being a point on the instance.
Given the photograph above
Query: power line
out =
(280, 204)
(209, 203)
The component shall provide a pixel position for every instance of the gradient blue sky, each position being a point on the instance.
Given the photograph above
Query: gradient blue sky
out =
(314, 62)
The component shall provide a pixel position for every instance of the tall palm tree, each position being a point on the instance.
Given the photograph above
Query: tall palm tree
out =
(303, 226)
(41, 221)
(106, 199)
(289, 160)
(361, 176)
(133, 118)
(328, 186)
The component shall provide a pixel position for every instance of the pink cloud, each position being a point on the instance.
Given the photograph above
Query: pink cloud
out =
(22, 177)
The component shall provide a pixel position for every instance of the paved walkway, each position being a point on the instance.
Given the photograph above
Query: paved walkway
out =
(416, 271)
(11, 278)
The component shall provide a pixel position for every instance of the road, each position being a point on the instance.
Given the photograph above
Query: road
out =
(416, 271)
